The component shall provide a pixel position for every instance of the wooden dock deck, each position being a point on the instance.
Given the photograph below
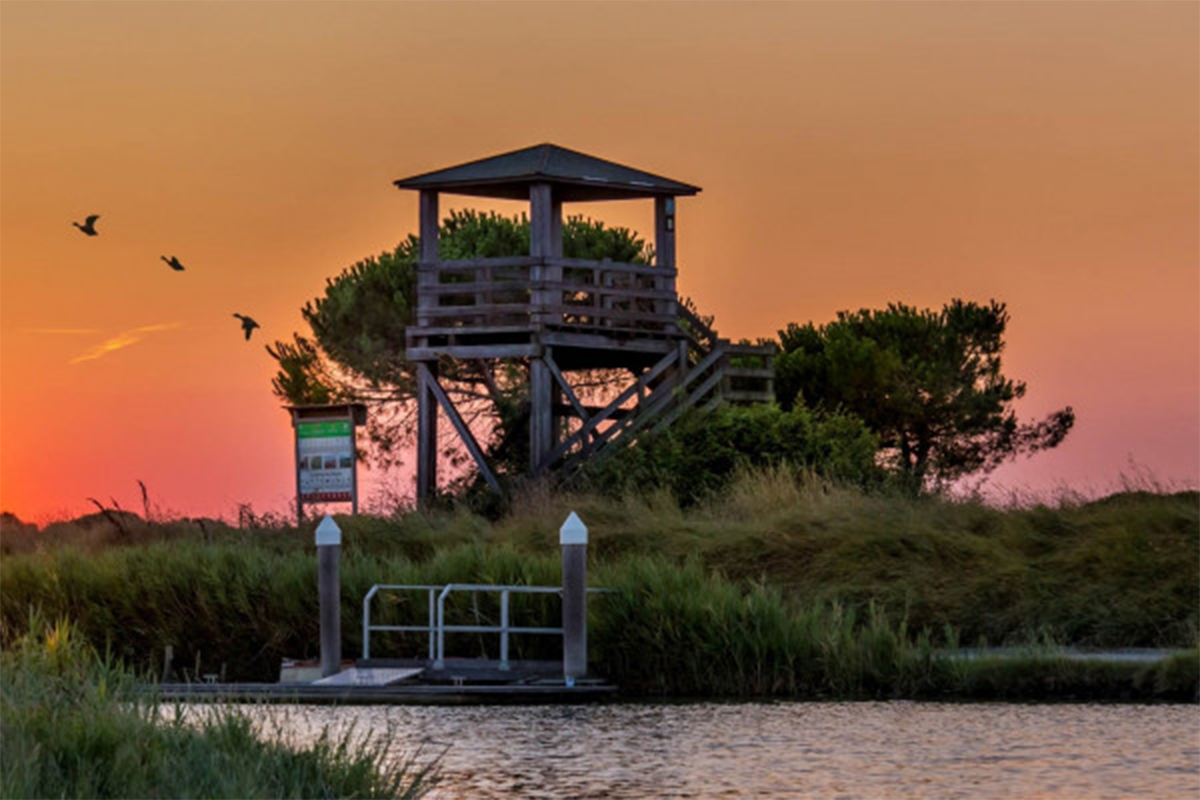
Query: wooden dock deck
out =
(411, 694)
(375, 682)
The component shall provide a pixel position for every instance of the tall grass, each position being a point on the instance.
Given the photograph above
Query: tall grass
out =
(677, 631)
(786, 584)
(232, 610)
(73, 727)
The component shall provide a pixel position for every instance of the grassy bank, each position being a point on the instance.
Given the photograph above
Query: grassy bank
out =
(72, 727)
(782, 587)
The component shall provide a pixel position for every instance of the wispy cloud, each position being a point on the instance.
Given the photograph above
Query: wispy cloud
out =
(67, 331)
(122, 340)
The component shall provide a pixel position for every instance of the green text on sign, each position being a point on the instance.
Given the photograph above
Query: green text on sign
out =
(314, 430)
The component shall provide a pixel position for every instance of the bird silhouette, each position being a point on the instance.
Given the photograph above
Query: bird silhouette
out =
(173, 263)
(89, 225)
(248, 325)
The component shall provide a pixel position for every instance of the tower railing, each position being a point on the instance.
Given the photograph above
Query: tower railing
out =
(510, 295)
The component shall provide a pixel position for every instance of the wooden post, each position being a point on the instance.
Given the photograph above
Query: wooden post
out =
(545, 242)
(296, 461)
(664, 249)
(541, 414)
(545, 222)
(664, 232)
(573, 537)
(427, 275)
(426, 431)
(426, 371)
(429, 225)
(329, 546)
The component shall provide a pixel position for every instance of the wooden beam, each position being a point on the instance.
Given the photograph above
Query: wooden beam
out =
(611, 266)
(468, 264)
(541, 221)
(541, 415)
(429, 225)
(664, 232)
(660, 400)
(426, 431)
(566, 387)
(572, 338)
(427, 268)
(423, 352)
(589, 427)
(465, 434)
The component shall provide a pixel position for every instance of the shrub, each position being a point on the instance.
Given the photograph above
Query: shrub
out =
(701, 452)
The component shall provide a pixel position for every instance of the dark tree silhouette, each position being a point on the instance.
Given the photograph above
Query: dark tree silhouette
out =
(929, 383)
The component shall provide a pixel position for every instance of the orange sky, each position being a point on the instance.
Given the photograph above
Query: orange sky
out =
(851, 154)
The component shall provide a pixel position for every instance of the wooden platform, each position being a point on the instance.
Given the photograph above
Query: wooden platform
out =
(399, 694)
(407, 682)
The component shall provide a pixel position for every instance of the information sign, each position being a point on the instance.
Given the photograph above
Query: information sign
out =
(326, 461)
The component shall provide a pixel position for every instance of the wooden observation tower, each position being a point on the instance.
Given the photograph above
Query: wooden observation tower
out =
(561, 315)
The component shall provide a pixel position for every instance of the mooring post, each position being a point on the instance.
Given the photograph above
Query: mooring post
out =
(573, 536)
(329, 547)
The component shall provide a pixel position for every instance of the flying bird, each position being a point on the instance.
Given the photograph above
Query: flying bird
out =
(89, 225)
(173, 263)
(248, 325)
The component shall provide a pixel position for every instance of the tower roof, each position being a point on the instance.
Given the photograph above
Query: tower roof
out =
(576, 177)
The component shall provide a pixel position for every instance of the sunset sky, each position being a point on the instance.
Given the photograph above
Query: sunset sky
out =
(1046, 154)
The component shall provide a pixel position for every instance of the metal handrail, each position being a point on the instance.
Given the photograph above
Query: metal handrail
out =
(437, 626)
(368, 627)
(503, 628)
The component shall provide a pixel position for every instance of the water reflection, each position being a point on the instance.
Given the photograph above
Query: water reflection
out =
(793, 750)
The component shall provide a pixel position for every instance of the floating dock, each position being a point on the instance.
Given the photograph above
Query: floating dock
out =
(406, 682)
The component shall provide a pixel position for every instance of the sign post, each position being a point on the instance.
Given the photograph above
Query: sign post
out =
(326, 455)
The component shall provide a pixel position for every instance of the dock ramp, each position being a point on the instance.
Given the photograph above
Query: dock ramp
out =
(370, 676)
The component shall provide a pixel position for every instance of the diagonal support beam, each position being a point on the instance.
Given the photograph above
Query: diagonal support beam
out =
(660, 401)
(456, 420)
(589, 427)
(566, 387)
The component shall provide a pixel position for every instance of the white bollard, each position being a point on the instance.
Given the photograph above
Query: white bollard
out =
(573, 537)
(329, 547)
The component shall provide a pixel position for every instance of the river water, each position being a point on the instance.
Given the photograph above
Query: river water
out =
(785, 749)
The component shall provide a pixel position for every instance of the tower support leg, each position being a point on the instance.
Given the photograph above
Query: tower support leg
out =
(427, 405)
(541, 415)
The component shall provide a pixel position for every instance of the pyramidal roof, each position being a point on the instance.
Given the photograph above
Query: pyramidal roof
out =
(576, 177)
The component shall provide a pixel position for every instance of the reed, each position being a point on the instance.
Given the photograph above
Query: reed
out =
(677, 631)
(1051, 677)
(72, 726)
(784, 585)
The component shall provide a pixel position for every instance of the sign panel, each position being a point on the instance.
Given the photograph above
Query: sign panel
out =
(326, 461)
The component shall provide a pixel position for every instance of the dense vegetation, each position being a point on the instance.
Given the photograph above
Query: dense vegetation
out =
(701, 453)
(916, 395)
(784, 585)
(74, 726)
(929, 383)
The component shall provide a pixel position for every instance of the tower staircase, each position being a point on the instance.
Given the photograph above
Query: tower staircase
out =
(705, 372)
